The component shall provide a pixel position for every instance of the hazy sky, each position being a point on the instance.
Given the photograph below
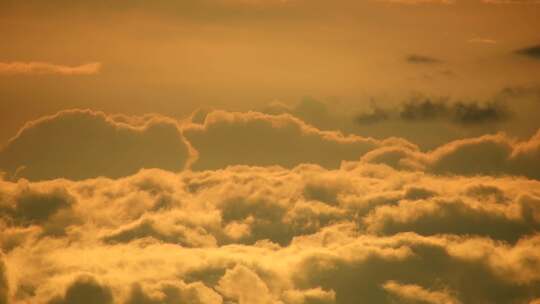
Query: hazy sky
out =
(269, 152)
(171, 56)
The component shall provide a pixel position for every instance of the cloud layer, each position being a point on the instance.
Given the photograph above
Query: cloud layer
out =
(78, 144)
(247, 207)
(361, 233)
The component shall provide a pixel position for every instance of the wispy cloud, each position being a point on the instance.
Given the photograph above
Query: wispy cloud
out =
(482, 40)
(422, 59)
(47, 68)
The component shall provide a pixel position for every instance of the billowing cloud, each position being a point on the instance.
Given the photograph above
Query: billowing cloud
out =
(360, 233)
(85, 290)
(228, 138)
(45, 68)
(486, 155)
(411, 292)
(80, 144)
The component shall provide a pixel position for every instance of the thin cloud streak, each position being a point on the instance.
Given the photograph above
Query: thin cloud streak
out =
(47, 68)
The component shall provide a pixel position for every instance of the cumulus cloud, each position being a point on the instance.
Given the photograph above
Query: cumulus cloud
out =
(486, 155)
(46, 68)
(228, 138)
(359, 233)
(85, 290)
(80, 144)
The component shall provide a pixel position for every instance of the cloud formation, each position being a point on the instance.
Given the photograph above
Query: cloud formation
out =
(360, 233)
(485, 155)
(78, 144)
(252, 138)
(459, 112)
(46, 68)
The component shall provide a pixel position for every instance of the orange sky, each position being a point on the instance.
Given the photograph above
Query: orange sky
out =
(269, 151)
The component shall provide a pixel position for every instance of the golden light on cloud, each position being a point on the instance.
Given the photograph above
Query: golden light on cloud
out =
(45, 68)
(269, 152)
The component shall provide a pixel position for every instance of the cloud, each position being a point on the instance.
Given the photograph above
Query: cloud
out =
(170, 292)
(45, 68)
(531, 51)
(80, 144)
(482, 41)
(485, 155)
(271, 234)
(459, 112)
(85, 290)
(244, 286)
(420, 109)
(228, 138)
(411, 292)
(422, 59)
(376, 115)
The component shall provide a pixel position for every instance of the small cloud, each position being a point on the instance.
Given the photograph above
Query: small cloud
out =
(46, 68)
(482, 41)
(421, 59)
(531, 51)
(411, 292)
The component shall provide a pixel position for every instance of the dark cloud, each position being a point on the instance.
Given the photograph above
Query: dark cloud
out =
(422, 59)
(33, 206)
(79, 144)
(172, 293)
(531, 51)
(424, 110)
(459, 112)
(85, 290)
(376, 115)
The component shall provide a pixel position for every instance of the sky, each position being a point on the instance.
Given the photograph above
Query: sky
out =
(269, 151)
